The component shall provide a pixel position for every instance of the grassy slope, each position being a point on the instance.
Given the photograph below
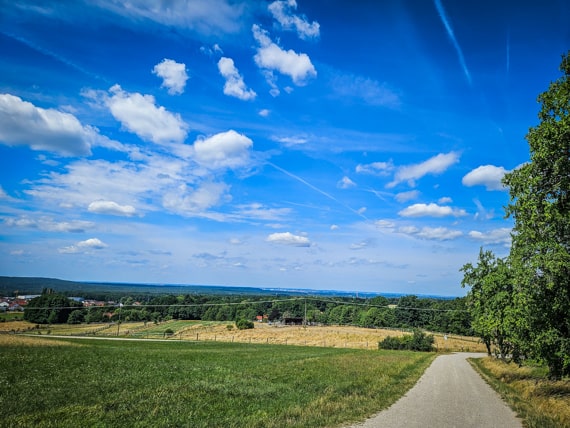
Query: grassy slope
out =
(134, 383)
(540, 402)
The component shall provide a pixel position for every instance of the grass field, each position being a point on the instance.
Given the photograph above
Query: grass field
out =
(541, 402)
(47, 381)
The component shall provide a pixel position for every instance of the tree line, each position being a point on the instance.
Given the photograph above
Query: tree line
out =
(440, 315)
(520, 304)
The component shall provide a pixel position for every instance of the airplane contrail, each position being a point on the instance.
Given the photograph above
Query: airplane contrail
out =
(451, 35)
(316, 189)
(51, 54)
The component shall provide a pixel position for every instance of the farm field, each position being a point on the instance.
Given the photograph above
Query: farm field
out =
(68, 382)
(263, 333)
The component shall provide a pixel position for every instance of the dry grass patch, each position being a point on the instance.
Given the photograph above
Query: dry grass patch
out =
(540, 402)
(21, 340)
(325, 336)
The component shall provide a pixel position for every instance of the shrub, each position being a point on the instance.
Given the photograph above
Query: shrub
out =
(419, 341)
(243, 324)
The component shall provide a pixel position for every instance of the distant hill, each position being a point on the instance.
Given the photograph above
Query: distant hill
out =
(35, 285)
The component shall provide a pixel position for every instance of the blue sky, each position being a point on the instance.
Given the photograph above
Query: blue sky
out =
(297, 144)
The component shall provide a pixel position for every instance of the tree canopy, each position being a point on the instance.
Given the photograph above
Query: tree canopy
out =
(536, 276)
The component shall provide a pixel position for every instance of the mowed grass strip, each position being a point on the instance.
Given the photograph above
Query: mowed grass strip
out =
(540, 402)
(197, 384)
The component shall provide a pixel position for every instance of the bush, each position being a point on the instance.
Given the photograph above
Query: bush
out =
(419, 341)
(243, 324)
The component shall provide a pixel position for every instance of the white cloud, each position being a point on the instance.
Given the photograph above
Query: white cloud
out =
(375, 168)
(264, 112)
(435, 165)
(84, 246)
(224, 150)
(431, 210)
(111, 208)
(407, 196)
(287, 238)
(291, 141)
(22, 123)
(196, 201)
(209, 17)
(370, 91)
(445, 200)
(345, 183)
(139, 114)
(431, 233)
(234, 86)
(385, 224)
(282, 12)
(334, 227)
(257, 211)
(49, 225)
(270, 57)
(489, 176)
(173, 75)
(495, 236)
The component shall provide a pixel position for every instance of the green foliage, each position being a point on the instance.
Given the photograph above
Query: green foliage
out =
(50, 308)
(521, 304)
(490, 301)
(144, 384)
(76, 317)
(419, 341)
(540, 252)
(243, 324)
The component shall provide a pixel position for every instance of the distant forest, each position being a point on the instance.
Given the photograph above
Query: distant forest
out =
(160, 303)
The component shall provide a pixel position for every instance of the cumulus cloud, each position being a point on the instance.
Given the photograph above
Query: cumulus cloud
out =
(287, 238)
(495, 236)
(139, 114)
(111, 208)
(271, 57)
(282, 11)
(431, 210)
(224, 150)
(370, 91)
(435, 165)
(489, 176)
(431, 233)
(24, 124)
(173, 75)
(84, 246)
(234, 86)
(345, 183)
(264, 112)
(208, 17)
(49, 225)
(375, 168)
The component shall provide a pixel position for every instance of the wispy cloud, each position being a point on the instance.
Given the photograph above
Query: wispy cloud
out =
(316, 189)
(451, 34)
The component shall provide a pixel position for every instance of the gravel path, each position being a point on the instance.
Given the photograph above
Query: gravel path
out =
(449, 394)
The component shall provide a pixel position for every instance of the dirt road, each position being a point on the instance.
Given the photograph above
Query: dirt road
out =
(449, 394)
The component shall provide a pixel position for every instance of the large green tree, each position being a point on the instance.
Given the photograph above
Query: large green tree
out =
(540, 252)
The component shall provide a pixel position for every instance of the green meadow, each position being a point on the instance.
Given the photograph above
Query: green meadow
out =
(48, 382)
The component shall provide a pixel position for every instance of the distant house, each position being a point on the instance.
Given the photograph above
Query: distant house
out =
(4, 306)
